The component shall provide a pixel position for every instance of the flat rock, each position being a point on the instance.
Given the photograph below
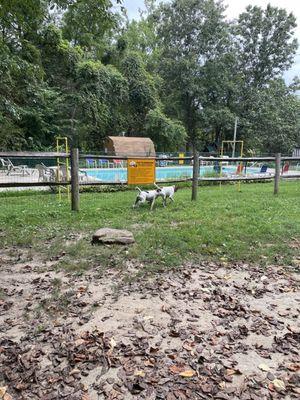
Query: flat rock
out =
(111, 236)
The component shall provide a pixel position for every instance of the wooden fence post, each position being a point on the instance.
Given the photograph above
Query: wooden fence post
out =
(277, 172)
(75, 179)
(195, 175)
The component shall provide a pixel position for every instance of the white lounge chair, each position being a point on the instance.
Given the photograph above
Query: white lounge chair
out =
(11, 169)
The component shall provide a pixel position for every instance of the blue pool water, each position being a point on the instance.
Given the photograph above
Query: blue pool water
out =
(162, 173)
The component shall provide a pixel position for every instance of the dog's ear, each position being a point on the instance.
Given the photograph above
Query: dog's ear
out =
(158, 190)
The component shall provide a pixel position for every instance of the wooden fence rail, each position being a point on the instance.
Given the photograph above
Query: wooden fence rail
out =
(33, 154)
(196, 160)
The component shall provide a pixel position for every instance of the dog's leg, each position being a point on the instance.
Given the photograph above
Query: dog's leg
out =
(136, 203)
(171, 198)
(152, 203)
(165, 201)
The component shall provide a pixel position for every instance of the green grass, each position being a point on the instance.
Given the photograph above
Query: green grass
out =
(251, 226)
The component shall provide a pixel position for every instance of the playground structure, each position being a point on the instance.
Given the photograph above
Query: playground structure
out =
(63, 168)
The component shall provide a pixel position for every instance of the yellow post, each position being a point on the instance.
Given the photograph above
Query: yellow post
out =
(67, 167)
(222, 152)
(62, 145)
(58, 169)
(181, 161)
(241, 164)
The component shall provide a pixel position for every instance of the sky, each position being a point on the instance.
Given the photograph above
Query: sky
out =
(235, 7)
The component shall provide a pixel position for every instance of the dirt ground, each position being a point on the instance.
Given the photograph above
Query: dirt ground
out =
(207, 331)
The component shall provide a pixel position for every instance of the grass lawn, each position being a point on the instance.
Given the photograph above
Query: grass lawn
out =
(251, 226)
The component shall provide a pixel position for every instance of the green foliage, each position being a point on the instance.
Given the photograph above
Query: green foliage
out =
(102, 92)
(214, 70)
(274, 122)
(169, 135)
(265, 43)
(193, 32)
(143, 95)
(180, 74)
(86, 22)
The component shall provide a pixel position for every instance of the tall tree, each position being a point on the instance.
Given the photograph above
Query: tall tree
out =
(193, 33)
(273, 123)
(265, 43)
(85, 22)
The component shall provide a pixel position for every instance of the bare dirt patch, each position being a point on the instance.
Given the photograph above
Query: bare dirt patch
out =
(203, 331)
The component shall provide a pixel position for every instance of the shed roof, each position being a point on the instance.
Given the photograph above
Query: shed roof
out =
(130, 146)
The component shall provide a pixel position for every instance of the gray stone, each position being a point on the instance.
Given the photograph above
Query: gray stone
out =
(113, 236)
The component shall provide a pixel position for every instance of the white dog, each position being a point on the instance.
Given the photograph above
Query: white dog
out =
(167, 192)
(147, 195)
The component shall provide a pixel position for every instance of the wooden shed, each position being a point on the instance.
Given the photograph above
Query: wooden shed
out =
(129, 146)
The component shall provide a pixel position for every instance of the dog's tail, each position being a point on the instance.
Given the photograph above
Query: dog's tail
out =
(137, 188)
(157, 187)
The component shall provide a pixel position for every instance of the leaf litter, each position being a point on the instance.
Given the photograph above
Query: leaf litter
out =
(205, 331)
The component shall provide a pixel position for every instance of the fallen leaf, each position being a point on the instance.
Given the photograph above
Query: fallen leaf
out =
(7, 397)
(264, 367)
(112, 343)
(79, 342)
(294, 367)
(187, 374)
(139, 373)
(75, 371)
(176, 369)
(279, 385)
(147, 317)
(231, 371)
(84, 387)
(149, 363)
(2, 391)
(222, 385)
(293, 328)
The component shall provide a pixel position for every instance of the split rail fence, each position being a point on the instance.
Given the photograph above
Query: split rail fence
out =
(40, 170)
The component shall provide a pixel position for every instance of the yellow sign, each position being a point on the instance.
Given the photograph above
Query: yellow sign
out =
(181, 161)
(140, 171)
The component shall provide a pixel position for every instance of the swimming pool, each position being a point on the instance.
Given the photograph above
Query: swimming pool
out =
(162, 173)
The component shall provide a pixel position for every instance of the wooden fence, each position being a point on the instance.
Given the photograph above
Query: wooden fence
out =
(196, 160)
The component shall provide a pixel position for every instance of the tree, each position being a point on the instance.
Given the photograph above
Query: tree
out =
(214, 70)
(265, 44)
(74, 68)
(167, 134)
(86, 22)
(102, 92)
(143, 95)
(193, 33)
(273, 123)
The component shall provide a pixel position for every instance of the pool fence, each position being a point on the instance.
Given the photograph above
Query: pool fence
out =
(44, 170)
